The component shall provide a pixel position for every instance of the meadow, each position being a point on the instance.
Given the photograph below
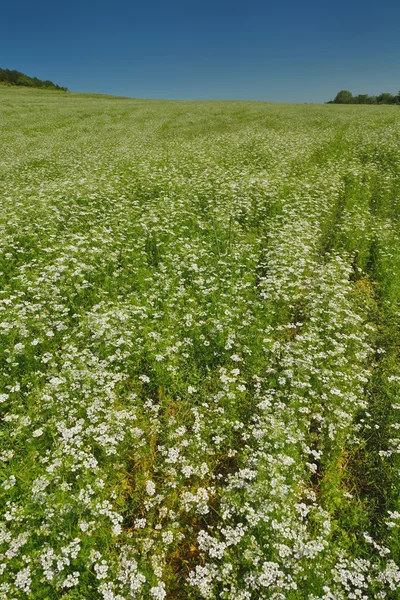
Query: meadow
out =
(199, 345)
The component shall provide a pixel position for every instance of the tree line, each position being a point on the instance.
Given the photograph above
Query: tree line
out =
(346, 97)
(17, 78)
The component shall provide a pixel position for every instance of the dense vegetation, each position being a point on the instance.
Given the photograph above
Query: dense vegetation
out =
(199, 325)
(17, 78)
(346, 97)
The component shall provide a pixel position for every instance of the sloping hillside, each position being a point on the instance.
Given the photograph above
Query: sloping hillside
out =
(13, 77)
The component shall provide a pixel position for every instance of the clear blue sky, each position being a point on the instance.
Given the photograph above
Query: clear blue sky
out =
(278, 51)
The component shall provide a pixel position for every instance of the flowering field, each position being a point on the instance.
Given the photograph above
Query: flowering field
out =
(199, 344)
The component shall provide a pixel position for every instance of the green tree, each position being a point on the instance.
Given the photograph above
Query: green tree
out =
(343, 97)
(386, 98)
(364, 99)
(18, 78)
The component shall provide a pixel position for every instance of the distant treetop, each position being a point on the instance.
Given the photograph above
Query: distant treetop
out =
(346, 97)
(18, 78)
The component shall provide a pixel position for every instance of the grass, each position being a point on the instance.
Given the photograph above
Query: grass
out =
(199, 314)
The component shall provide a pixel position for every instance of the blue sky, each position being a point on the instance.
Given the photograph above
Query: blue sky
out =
(288, 51)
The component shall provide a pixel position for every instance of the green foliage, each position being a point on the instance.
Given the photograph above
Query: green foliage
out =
(343, 97)
(346, 97)
(20, 79)
(363, 99)
(386, 98)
